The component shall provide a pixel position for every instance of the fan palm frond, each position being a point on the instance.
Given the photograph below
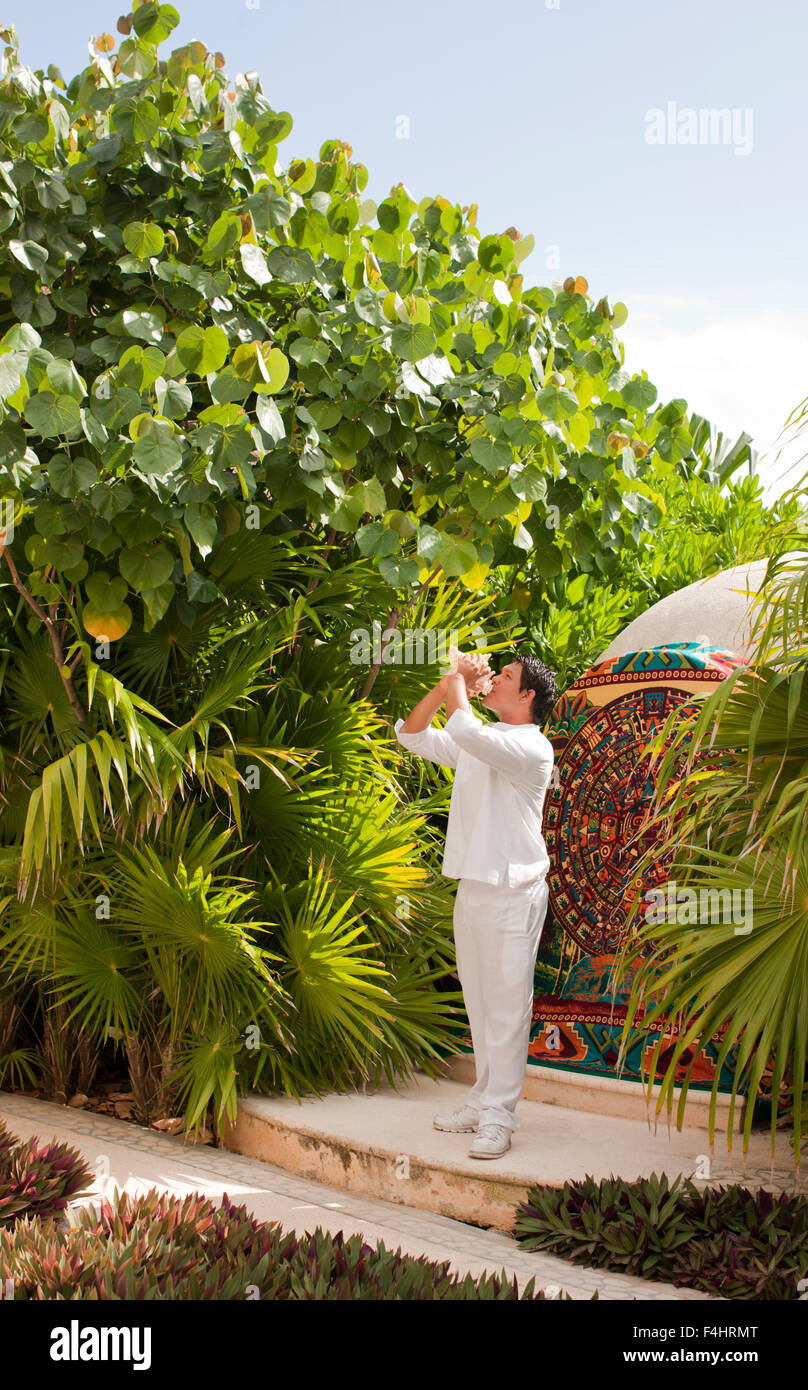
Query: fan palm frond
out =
(336, 989)
(747, 973)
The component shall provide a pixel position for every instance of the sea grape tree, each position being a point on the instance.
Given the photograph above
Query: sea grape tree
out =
(198, 338)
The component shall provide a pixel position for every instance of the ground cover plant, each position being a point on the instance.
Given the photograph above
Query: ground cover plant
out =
(727, 1241)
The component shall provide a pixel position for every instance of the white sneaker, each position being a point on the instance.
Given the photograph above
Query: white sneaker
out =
(462, 1121)
(490, 1141)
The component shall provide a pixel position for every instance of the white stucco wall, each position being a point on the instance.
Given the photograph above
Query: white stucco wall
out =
(719, 609)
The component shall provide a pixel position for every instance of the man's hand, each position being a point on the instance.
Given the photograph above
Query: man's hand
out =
(471, 674)
(456, 694)
(474, 669)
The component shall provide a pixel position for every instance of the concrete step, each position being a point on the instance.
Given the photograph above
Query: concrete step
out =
(609, 1095)
(384, 1145)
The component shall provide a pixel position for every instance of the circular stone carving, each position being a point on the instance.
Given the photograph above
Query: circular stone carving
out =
(598, 729)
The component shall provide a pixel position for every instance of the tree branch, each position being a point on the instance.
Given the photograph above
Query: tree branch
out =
(58, 652)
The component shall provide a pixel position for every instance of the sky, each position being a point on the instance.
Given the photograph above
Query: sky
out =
(586, 124)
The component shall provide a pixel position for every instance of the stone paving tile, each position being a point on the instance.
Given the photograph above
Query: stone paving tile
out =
(171, 1163)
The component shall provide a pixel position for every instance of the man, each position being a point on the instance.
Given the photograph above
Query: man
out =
(495, 847)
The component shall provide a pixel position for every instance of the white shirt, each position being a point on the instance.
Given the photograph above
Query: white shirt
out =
(502, 772)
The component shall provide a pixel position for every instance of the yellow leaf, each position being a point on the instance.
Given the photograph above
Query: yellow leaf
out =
(579, 431)
(420, 500)
(584, 389)
(482, 336)
(475, 577)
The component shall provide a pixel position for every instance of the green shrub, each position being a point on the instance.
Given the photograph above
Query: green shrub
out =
(726, 1241)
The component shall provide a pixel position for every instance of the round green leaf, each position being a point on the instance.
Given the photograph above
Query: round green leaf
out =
(174, 399)
(377, 539)
(106, 150)
(143, 239)
(134, 59)
(398, 572)
(139, 366)
(144, 323)
(202, 350)
(137, 121)
(65, 380)
(156, 455)
(291, 264)
(225, 388)
(304, 352)
(50, 415)
(368, 306)
(31, 129)
(265, 368)
(29, 253)
(200, 522)
(556, 403)
(71, 476)
(308, 227)
(106, 592)
(64, 553)
(223, 235)
(529, 484)
(456, 556)
(492, 455)
(146, 566)
(156, 602)
(495, 253)
(412, 341)
(639, 394)
(153, 22)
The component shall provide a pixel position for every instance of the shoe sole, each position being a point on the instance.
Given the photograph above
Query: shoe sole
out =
(473, 1154)
(452, 1129)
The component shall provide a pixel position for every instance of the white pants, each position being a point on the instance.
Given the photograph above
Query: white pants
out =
(497, 933)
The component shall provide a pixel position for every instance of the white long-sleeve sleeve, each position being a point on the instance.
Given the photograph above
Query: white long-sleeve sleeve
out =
(521, 759)
(434, 744)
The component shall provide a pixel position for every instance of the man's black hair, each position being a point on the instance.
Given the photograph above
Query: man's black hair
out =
(539, 678)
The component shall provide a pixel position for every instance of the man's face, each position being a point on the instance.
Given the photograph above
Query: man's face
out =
(505, 697)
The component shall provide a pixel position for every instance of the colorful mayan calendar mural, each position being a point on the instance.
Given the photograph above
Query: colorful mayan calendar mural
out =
(598, 729)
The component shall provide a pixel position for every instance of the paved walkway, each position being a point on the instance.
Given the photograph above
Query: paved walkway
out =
(131, 1157)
